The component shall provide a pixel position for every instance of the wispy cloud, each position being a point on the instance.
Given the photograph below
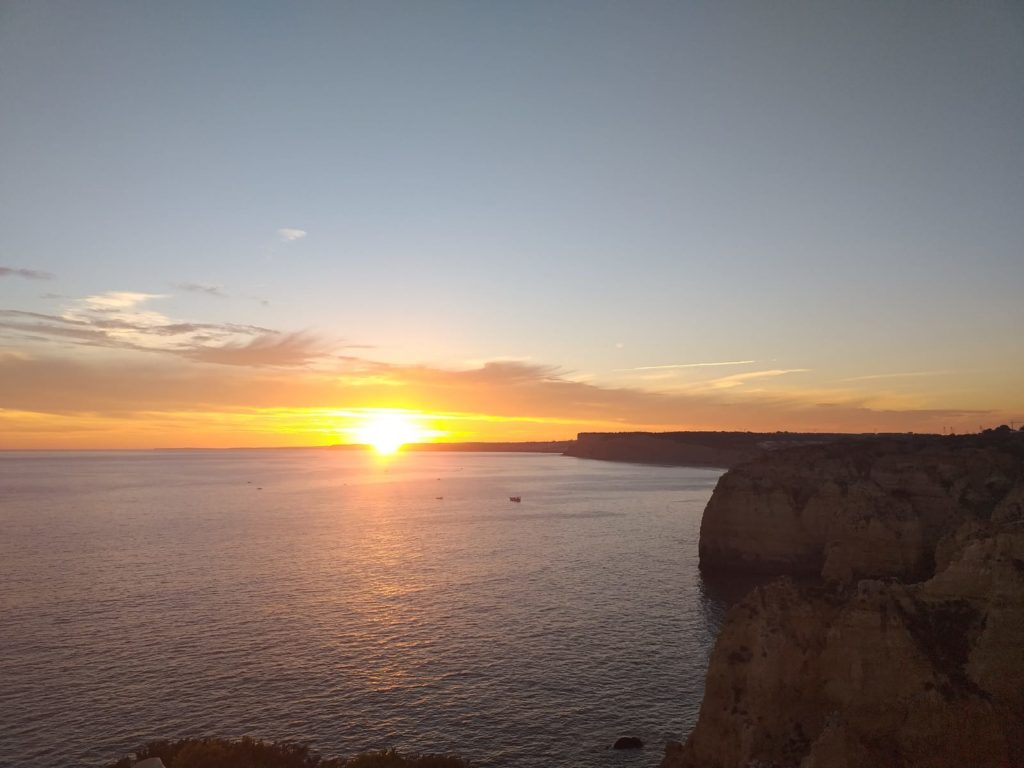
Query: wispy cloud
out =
(28, 274)
(209, 290)
(907, 375)
(120, 331)
(116, 301)
(122, 320)
(739, 379)
(686, 365)
(119, 313)
(288, 234)
(273, 349)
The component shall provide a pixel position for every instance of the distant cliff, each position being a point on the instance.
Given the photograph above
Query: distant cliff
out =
(853, 672)
(695, 449)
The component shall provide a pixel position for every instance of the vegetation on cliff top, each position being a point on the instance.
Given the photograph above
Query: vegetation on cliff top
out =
(254, 753)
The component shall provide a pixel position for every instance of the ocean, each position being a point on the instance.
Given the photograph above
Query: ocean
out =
(352, 602)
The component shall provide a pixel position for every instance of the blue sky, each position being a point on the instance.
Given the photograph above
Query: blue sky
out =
(832, 190)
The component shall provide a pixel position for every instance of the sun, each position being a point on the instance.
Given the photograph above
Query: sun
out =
(387, 432)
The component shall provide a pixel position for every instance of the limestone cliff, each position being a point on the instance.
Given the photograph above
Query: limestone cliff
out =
(848, 673)
(855, 509)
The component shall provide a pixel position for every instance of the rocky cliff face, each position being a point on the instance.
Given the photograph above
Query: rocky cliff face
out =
(864, 672)
(856, 509)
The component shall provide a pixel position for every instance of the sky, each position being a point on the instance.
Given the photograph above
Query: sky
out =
(255, 224)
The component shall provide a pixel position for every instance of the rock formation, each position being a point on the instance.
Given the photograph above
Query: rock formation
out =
(628, 742)
(856, 672)
(866, 508)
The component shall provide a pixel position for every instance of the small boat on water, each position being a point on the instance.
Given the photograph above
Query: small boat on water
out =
(516, 499)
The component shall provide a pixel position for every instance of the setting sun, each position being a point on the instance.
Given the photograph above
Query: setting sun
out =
(387, 432)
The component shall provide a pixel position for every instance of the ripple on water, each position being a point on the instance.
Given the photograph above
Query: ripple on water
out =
(157, 595)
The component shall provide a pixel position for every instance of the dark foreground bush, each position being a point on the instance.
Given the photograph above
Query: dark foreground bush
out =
(253, 753)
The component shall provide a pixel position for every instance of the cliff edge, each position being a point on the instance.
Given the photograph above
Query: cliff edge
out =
(856, 509)
(910, 650)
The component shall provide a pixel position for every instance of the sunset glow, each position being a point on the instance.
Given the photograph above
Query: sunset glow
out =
(388, 431)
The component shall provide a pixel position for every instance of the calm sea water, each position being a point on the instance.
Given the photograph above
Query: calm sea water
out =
(336, 598)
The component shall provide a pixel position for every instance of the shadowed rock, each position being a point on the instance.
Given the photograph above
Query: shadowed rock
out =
(855, 509)
(628, 742)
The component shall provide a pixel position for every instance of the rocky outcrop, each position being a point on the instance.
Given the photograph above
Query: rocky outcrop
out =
(628, 742)
(851, 672)
(880, 674)
(855, 509)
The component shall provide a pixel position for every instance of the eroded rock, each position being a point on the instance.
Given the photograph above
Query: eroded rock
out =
(852, 672)
(857, 509)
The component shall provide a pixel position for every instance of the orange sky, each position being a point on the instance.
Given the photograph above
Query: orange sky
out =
(89, 398)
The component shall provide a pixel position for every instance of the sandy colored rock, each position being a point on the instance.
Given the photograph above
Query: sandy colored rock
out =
(856, 509)
(850, 672)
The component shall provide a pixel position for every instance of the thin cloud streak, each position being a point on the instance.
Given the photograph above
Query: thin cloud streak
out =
(290, 234)
(28, 274)
(739, 379)
(908, 375)
(269, 349)
(209, 290)
(685, 365)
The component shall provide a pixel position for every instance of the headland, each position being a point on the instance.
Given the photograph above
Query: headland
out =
(901, 644)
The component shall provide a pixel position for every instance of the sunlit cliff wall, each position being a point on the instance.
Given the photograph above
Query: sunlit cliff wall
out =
(922, 665)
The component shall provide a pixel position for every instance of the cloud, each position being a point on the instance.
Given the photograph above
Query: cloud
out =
(269, 404)
(739, 379)
(121, 320)
(114, 301)
(110, 332)
(686, 365)
(288, 234)
(209, 290)
(28, 274)
(198, 379)
(118, 314)
(48, 327)
(275, 349)
(908, 375)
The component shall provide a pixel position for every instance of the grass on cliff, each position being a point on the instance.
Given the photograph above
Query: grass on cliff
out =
(253, 753)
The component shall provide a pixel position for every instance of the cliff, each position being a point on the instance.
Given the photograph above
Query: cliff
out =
(693, 449)
(851, 672)
(855, 509)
